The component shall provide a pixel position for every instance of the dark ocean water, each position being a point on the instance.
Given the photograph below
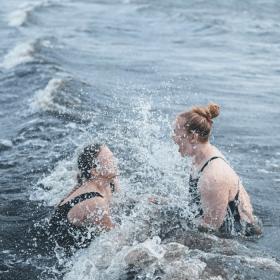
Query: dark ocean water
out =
(73, 72)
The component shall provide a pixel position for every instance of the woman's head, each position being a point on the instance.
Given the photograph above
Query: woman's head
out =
(97, 160)
(195, 125)
(88, 160)
(199, 120)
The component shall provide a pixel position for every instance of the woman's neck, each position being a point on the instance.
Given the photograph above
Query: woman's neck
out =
(201, 153)
(99, 184)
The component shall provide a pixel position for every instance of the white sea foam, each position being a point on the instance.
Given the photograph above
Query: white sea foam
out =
(19, 17)
(7, 143)
(6, 251)
(264, 171)
(61, 180)
(44, 99)
(54, 98)
(71, 125)
(48, 44)
(20, 54)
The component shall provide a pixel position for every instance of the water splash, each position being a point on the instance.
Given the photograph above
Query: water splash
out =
(149, 165)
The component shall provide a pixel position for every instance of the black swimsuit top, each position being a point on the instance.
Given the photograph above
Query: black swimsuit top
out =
(66, 234)
(232, 218)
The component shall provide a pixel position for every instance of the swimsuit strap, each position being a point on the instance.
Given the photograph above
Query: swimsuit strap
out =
(207, 162)
(84, 196)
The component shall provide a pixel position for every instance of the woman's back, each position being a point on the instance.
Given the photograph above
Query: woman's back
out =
(65, 233)
(83, 212)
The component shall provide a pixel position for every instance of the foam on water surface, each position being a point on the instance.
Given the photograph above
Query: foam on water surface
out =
(56, 185)
(7, 143)
(19, 17)
(20, 54)
(62, 96)
(44, 99)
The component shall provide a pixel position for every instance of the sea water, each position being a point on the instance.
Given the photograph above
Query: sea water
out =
(116, 72)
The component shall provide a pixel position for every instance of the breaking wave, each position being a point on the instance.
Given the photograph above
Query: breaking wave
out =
(21, 16)
(20, 54)
(61, 99)
(44, 99)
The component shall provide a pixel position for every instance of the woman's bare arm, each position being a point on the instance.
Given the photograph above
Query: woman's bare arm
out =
(214, 197)
(245, 207)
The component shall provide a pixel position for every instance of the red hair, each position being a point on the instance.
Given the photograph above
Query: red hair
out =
(199, 120)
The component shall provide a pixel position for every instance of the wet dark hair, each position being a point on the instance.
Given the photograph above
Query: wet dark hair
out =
(88, 160)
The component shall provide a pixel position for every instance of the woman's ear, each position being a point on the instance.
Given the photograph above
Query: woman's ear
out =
(93, 172)
(79, 179)
(194, 138)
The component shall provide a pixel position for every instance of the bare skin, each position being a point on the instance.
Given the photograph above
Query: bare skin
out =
(218, 184)
(96, 211)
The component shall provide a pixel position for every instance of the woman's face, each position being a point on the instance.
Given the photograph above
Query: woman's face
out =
(182, 138)
(107, 163)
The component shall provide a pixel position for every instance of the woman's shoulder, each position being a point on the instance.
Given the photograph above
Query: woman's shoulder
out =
(219, 169)
(80, 196)
(86, 206)
(219, 177)
(90, 198)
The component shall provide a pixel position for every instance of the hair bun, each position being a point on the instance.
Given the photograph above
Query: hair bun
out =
(214, 110)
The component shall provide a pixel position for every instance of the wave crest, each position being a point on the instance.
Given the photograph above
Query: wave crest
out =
(20, 54)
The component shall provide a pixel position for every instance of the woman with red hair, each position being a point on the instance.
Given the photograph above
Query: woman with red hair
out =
(217, 196)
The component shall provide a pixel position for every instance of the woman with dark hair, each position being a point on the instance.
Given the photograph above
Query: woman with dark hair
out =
(85, 211)
(217, 196)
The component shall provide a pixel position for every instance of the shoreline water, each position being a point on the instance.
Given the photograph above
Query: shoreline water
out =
(75, 71)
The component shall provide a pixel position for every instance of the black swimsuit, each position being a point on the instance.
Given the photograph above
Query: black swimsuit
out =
(66, 234)
(232, 220)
